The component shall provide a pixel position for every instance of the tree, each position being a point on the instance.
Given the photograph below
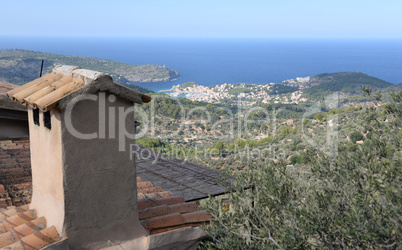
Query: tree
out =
(356, 136)
(353, 200)
(319, 116)
(306, 122)
(219, 147)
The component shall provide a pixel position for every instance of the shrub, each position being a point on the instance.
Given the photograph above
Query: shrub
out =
(306, 122)
(356, 136)
(319, 116)
(350, 201)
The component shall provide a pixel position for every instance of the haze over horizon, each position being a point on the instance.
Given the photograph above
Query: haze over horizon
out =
(223, 19)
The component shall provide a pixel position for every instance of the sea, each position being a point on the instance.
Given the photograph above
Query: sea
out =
(212, 61)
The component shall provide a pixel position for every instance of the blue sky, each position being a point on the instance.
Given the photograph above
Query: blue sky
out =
(206, 18)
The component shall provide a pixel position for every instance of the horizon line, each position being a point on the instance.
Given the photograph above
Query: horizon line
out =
(201, 37)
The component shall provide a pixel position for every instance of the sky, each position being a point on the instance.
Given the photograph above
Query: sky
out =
(205, 18)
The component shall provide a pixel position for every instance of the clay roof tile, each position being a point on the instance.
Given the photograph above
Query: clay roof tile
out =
(164, 221)
(21, 231)
(199, 216)
(24, 231)
(150, 190)
(17, 220)
(12, 211)
(168, 229)
(184, 207)
(46, 92)
(144, 185)
(36, 240)
(146, 203)
(154, 212)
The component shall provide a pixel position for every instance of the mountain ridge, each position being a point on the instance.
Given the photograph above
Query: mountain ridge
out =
(19, 66)
(347, 82)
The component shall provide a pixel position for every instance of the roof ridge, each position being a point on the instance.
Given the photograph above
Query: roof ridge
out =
(47, 91)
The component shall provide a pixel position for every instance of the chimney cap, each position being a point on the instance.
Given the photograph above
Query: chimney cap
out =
(47, 91)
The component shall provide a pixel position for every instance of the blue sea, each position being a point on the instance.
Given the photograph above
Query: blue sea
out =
(209, 61)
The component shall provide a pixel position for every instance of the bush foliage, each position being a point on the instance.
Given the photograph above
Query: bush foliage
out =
(351, 200)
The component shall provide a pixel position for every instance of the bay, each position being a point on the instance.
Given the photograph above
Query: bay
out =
(212, 61)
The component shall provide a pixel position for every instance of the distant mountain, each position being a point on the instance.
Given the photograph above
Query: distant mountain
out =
(138, 88)
(346, 82)
(22, 66)
(396, 87)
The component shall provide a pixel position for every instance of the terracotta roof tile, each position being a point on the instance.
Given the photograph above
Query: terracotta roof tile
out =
(156, 195)
(5, 202)
(150, 190)
(160, 214)
(163, 221)
(21, 231)
(146, 203)
(15, 172)
(199, 216)
(184, 207)
(24, 231)
(164, 209)
(176, 219)
(144, 185)
(154, 212)
(16, 220)
(45, 92)
(30, 84)
(4, 87)
(3, 194)
(36, 240)
(167, 229)
(22, 95)
(49, 101)
(12, 211)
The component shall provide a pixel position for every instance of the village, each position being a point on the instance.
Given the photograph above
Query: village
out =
(250, 94)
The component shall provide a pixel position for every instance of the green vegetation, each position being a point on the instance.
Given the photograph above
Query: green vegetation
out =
(22, 66)
(349, 82)
(177, 108)
(187, 84)
(352, 200)
(356, 136)
(302, 197)
(138, 88)
(306, 122)
(278, 89)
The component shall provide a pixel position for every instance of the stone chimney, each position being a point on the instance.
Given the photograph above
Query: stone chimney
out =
(81, 126)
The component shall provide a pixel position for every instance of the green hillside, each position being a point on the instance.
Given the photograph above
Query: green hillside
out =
(347, 82)
(21, 66)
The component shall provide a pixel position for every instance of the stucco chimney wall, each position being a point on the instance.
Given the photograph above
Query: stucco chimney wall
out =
(85, 187)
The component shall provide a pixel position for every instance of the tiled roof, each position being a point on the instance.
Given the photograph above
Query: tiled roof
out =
(5, 102)
(45, 92)
(159, 211)
(182, 178)
(21, 229)
(5, 87)
(15, 172)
